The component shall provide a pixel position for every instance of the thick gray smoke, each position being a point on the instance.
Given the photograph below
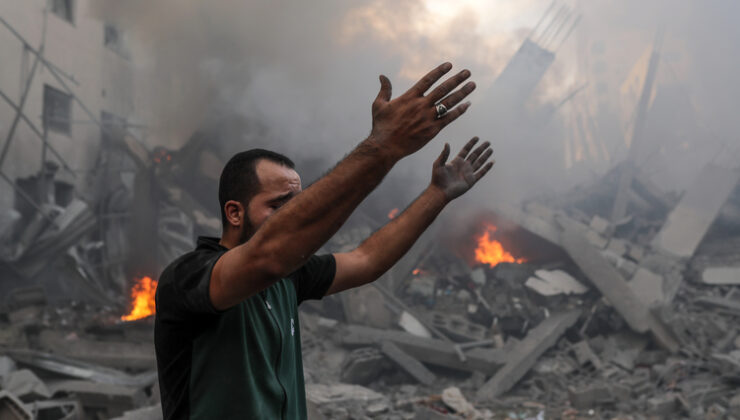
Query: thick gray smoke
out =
(308, 72)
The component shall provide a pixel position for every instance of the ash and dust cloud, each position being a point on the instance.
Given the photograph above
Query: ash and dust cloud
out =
(306, 73)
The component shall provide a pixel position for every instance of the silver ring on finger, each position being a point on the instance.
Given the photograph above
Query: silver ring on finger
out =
(441, 110)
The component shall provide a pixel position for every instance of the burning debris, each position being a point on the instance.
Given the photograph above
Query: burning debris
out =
(142, 299)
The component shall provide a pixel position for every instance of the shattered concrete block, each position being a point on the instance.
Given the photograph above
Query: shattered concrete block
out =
(378, 408)
(526, 353)
(11, 408)
(596, 239)
(584, 354)
(662, 405)
(555, 282)
(457, 327)
(453, 398)
(593, 395)
(363, 366)
(617, 246)
(7, 366)
(478, 276)
(412, 366)
(648, 287)
(600, 225)
(411, 325)
(636, 252)
(26, 386)
(612, 285)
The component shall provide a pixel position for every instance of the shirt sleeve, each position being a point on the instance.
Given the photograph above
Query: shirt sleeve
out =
(315, 277)
(183, 287)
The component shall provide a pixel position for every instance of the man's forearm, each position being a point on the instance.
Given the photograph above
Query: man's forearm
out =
(386, 246)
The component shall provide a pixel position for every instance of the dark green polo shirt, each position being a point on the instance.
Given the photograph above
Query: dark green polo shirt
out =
(242, 363)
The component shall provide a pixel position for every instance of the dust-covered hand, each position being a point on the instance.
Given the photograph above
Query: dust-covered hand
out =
(404, 125)
(461, 173)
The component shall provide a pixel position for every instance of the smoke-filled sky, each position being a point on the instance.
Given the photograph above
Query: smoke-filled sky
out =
(308, 72)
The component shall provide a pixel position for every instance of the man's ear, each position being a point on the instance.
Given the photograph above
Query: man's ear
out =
(235, 213)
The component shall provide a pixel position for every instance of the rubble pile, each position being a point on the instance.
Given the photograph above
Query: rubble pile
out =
(549, 310)
(627, 319)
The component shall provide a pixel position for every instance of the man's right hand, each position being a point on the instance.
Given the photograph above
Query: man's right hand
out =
(404, 125)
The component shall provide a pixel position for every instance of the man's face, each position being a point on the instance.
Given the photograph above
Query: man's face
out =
(278, 184)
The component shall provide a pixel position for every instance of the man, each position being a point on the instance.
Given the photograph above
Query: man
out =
(226, 330)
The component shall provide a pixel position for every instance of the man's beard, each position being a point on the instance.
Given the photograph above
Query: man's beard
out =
(246, 232)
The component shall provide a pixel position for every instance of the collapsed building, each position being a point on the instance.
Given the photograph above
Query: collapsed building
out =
(614, 299)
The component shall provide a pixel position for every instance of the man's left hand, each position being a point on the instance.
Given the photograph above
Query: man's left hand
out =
(461, 173)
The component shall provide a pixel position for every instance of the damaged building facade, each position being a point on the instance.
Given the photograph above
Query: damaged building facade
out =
(614, 299)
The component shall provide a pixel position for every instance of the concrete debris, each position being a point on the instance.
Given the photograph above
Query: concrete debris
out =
(526, 353)
(453, 398)
(26, 385)
(614, 300)
(412, 325)
(689, 222)
(721, 276)
(11, 408)
(648, 287)
(406, 362)
(551, 283)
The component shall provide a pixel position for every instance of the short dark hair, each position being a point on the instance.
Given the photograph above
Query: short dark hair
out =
(239, 180)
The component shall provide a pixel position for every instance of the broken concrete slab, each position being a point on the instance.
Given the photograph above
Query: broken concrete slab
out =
(456, 327)
(11, 408)
(648, 287)
(454, 399)
(611, 284)
(600, 225)
(521, 359)
(405, 361)
(691, 218)
(411, 325)
(724, 304)
(113, 400)
(81, 370)
(363, 366)
(321, 394)
(721, 276)
(592, 395)
(26, 385)
(555, 282)
(432, 351)
(115, 354)
(7, 366)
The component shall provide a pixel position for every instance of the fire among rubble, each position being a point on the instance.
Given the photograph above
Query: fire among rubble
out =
(491, 251)
(142, 299)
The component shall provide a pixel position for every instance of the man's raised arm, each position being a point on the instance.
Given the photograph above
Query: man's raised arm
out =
(300, 227)
(386, 246)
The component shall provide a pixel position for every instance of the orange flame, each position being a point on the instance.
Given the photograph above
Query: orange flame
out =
(393, 213)
(142, 299)
(490, 251)
(416, 271)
